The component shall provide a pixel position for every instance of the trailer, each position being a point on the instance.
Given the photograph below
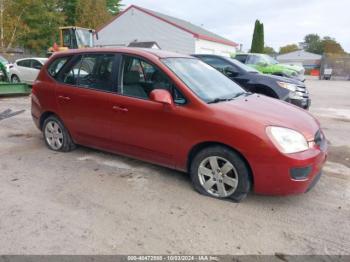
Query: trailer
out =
(11, 89)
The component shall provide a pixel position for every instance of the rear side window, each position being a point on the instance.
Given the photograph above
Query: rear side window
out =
(241, 58)
(254, 60)
(91, 71)
(55, 67)
(36, 65)
(23, 63)
(217, 63)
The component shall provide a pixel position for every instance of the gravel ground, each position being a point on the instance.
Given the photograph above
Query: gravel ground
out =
(90, 202)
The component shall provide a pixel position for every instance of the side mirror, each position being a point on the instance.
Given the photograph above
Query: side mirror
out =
(38, 67)
(161, 96)
(229, 71)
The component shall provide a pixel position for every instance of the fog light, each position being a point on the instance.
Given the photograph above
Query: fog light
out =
(300, 173)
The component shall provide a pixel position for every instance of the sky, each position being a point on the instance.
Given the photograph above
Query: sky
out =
(285, 21)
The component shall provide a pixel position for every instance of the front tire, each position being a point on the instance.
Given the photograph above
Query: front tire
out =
(56, 136)
(220, 172)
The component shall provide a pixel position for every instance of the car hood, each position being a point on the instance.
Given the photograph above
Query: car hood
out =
(256, 111)
(281, 79)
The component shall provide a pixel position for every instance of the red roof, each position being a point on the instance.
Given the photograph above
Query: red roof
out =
(197, 32)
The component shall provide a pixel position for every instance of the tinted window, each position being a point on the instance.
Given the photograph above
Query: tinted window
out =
(55, 67)
(141, 77)
(219, 64)
(243, 66)
(92, 71)
(68, 40)
(241, 58)
(36, 65)
(24, 63)
(216, 62)
(254, 60)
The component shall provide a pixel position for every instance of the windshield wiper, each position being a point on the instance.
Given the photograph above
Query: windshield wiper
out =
(217, 100)
(241, 94)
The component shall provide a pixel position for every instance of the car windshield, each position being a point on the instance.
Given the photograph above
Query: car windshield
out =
(243, 66)
(205, 81)
(269, 60)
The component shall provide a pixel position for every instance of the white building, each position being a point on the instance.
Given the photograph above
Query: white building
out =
(307, 59)
(136, 24)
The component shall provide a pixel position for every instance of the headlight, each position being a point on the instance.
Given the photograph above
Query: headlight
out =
(288, 86)
(287, 140)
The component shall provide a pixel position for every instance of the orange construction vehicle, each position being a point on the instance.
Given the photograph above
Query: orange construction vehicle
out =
(73, 37)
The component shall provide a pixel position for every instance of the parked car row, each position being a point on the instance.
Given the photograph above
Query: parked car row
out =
(267, 65)
(177, 111)
(283, 88)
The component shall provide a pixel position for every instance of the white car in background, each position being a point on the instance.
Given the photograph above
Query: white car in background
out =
(26, 70)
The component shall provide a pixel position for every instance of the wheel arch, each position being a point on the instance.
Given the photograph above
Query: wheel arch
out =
(13, 74)
(44, 116)
(200, 146)
(267, 91)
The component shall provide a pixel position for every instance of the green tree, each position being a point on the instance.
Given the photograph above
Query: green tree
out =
(92, 13)
(288, 48)
(313, 44)
(262, 37)
(113, 6)
(330, 45)
(269, 50)
(258, 38)
(69, 9)
(31, 24)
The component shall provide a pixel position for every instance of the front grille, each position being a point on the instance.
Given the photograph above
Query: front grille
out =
(302, 91)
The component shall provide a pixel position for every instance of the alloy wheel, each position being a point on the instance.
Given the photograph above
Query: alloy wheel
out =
(15, 79)
(54, 135)
(218, 176)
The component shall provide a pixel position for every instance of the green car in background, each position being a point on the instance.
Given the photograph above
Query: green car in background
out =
(267, 65)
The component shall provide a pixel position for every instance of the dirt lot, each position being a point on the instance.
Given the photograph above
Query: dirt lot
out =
(89, 202)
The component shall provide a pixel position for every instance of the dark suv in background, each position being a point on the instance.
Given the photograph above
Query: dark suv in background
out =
(283, 88)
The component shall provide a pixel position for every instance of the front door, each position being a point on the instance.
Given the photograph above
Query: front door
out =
(83, 96)
(141, 127)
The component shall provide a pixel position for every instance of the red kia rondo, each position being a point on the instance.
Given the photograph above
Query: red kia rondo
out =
(176, 111)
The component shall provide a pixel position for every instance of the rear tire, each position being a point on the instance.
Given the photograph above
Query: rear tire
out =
(56, 136)
(15, 79)
(220, 172)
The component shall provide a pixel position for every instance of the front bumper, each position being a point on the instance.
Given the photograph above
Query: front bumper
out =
(274, 177)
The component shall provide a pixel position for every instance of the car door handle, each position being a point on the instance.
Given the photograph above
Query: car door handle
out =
(65, 98)
(120, 109)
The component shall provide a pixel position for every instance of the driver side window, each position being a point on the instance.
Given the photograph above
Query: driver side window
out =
(140, 78)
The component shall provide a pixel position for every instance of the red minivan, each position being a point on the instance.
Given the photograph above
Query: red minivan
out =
(176, 111)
